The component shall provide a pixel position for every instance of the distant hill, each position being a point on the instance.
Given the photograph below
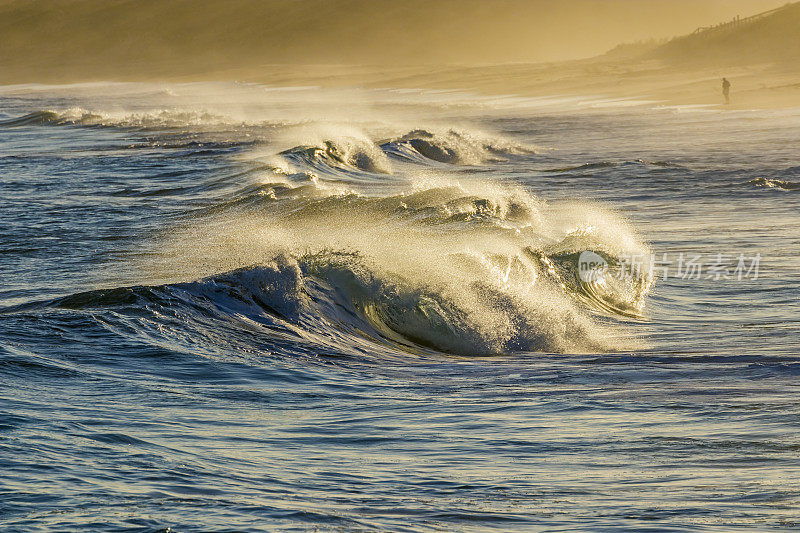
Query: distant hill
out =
(771, 37)
(632, 50)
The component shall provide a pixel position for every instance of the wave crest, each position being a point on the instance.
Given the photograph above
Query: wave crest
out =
(452, 146)
(155, 119)
(468, 269)
(341, 154)
(775, 184)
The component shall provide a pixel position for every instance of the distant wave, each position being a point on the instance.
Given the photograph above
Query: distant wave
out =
(77, 116)
(340, 151)
(343, 153)
(452, 146)
(349, 152)
(47, 118)
(775, 184)
(610, 164)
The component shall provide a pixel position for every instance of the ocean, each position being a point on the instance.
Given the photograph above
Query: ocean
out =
(236, 307)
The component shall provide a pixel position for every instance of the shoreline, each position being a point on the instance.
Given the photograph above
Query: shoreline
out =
(753, 87)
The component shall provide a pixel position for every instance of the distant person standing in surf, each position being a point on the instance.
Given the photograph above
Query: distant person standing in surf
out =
(726, 90)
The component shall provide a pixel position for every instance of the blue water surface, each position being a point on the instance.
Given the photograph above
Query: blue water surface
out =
(158, 373)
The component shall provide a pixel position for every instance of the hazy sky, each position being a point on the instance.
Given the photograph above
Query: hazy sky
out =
(102, 37)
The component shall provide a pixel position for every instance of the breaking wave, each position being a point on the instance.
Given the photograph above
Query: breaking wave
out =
(357, 237)
(455, 268)
(775, 184)
(342, 154)
(77, 116)
(349, 151)
(453, 146)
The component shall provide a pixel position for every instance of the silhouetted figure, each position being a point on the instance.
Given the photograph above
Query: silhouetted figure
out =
(726, 90)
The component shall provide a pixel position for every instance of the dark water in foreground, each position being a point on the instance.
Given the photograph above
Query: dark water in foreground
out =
(234, 308)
